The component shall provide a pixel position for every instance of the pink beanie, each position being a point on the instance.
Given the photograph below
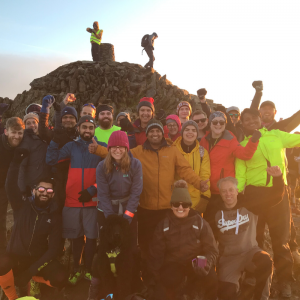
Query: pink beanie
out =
(118, 138)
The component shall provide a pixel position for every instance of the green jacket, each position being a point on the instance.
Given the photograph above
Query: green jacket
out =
(270, 152)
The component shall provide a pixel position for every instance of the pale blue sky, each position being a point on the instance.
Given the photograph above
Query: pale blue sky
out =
(220, 45)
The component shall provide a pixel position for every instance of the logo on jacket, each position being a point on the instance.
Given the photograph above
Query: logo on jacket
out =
(230, 224)
(49, 221)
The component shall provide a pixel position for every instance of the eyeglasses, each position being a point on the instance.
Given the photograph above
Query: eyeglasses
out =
(42, 189)
(184, 205)
(90, 105)
(172, 126)
(218, 122)
(200, 120)
(114, 148)
(234, 115)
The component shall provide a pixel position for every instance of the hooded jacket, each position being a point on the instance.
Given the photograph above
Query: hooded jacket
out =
(198, 159)
(222, 156)
(159, 168)
(235, 229)
(166, 130)
(82, 169)
(180, 244)
(117, 186)
(270, 152)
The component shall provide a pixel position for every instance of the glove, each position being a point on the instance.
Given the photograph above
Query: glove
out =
(20, 154)
(3, 108)
(258, 85)
(47, 103)
(202, 271)
(126, 125)
(221, 108)
(256, 136)
(23, 279)
(60, 137)
(56, 106)
(85, 196)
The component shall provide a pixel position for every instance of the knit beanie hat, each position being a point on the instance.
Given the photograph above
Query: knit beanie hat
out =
(146, 101)
(201, 92)
(174, 118)
(118, 138)
(103, 107)
(31, 116)
(153, 123)
(69, 110)
(33, 107)
(87, 119)
(183, 103)
(125, 114)
(215, 115)
(180, 193)
(190, 123)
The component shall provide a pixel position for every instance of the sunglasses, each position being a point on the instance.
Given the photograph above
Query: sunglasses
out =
(218, 122)
(184, 205)
(200, 120)
(42, 189)
(234, 115)
(90, 105)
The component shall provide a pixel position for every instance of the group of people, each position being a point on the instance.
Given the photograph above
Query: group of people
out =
(197, 189)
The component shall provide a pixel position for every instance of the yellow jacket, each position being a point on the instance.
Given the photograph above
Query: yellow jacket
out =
(199, 160)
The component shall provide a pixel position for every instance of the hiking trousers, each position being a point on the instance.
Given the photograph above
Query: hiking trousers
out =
(95, 52)
(3, 212)
(149, 51)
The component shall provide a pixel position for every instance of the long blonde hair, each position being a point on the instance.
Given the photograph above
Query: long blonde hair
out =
(125, 162)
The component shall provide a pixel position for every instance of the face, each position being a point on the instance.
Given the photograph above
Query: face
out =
(155, 136)
(117, 152)
(180, 212)
(86, 131)
(173, 128)
(145, 114)
(251, 122)
(32, 124)
(105, 119)
(201, 120)
(189, 134)
(201, 97)
(14, 136)
(88, 111)
(68, 121)
(184, 112)
(219, 127)
(235, 116)
(43, 194)
(119, 120)
(95, 25)
(267, 113)
(229, 193)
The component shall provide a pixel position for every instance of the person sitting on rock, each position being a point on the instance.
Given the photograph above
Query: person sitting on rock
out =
(184, 111)
(172, 128)
(96, 37)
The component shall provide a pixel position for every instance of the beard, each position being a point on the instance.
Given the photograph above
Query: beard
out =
(41, 203)
(106, 123)
(86, 137)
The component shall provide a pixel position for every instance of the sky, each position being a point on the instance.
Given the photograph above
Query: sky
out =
(219, 45)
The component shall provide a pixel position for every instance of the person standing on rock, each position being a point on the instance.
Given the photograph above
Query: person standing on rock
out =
(96, 37)
(202, 97)
(148, 44)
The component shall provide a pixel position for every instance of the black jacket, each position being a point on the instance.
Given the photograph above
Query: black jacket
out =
(6, 156)
(36, 233)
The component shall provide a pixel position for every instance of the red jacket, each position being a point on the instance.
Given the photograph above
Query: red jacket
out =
(223, 154)
(138, 136)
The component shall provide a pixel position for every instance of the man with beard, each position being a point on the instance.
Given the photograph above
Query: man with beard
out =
(35, 238)
(79, 213)
(270, 152)
(105, 119)
(9, 140)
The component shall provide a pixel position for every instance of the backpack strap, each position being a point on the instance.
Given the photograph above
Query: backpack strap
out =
(201, 151)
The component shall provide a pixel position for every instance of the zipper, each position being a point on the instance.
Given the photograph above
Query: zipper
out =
(37, 217)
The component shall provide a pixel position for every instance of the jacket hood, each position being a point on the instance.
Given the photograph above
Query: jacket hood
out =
(176, 119)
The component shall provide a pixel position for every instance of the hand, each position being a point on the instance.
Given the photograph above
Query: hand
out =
(89, 30)
(47, 103)
(69, 98)
(85, 196)
(93, 146)
(20, 154)
(204, 186)
(3, 108)
(126, 125)
(274, 171)
(23, 279)
(258, 85)
(256, 136)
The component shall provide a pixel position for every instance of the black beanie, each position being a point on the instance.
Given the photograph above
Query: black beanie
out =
(201, 92)
(103, 107)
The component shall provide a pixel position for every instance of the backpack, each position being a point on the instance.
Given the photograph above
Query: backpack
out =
(145, 41)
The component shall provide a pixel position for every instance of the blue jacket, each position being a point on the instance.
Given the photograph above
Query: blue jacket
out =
(82, 169)
(116, 186)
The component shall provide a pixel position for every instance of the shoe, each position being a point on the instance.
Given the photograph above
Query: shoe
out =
(75, 278)
(296, 257)
(87, 276)
(285, 289)
(35, 289)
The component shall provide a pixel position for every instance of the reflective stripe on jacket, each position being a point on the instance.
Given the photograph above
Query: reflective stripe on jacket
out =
(94, 39)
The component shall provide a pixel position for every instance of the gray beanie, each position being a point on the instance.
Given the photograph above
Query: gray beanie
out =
(153, 123)
(215, 115)
(190, 123)
(125, 114)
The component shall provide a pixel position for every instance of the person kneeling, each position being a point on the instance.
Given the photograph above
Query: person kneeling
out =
(178, 240)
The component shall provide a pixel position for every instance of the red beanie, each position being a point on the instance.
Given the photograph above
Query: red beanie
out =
(118, 138)
(146, 101)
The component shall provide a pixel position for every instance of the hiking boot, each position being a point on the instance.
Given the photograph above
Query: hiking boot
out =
(75, 278)
(35, 289)
(87, 276)
(285, 289)
(296, 257)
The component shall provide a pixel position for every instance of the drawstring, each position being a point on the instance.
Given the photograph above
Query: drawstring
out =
(222, 217)
(237, 222)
